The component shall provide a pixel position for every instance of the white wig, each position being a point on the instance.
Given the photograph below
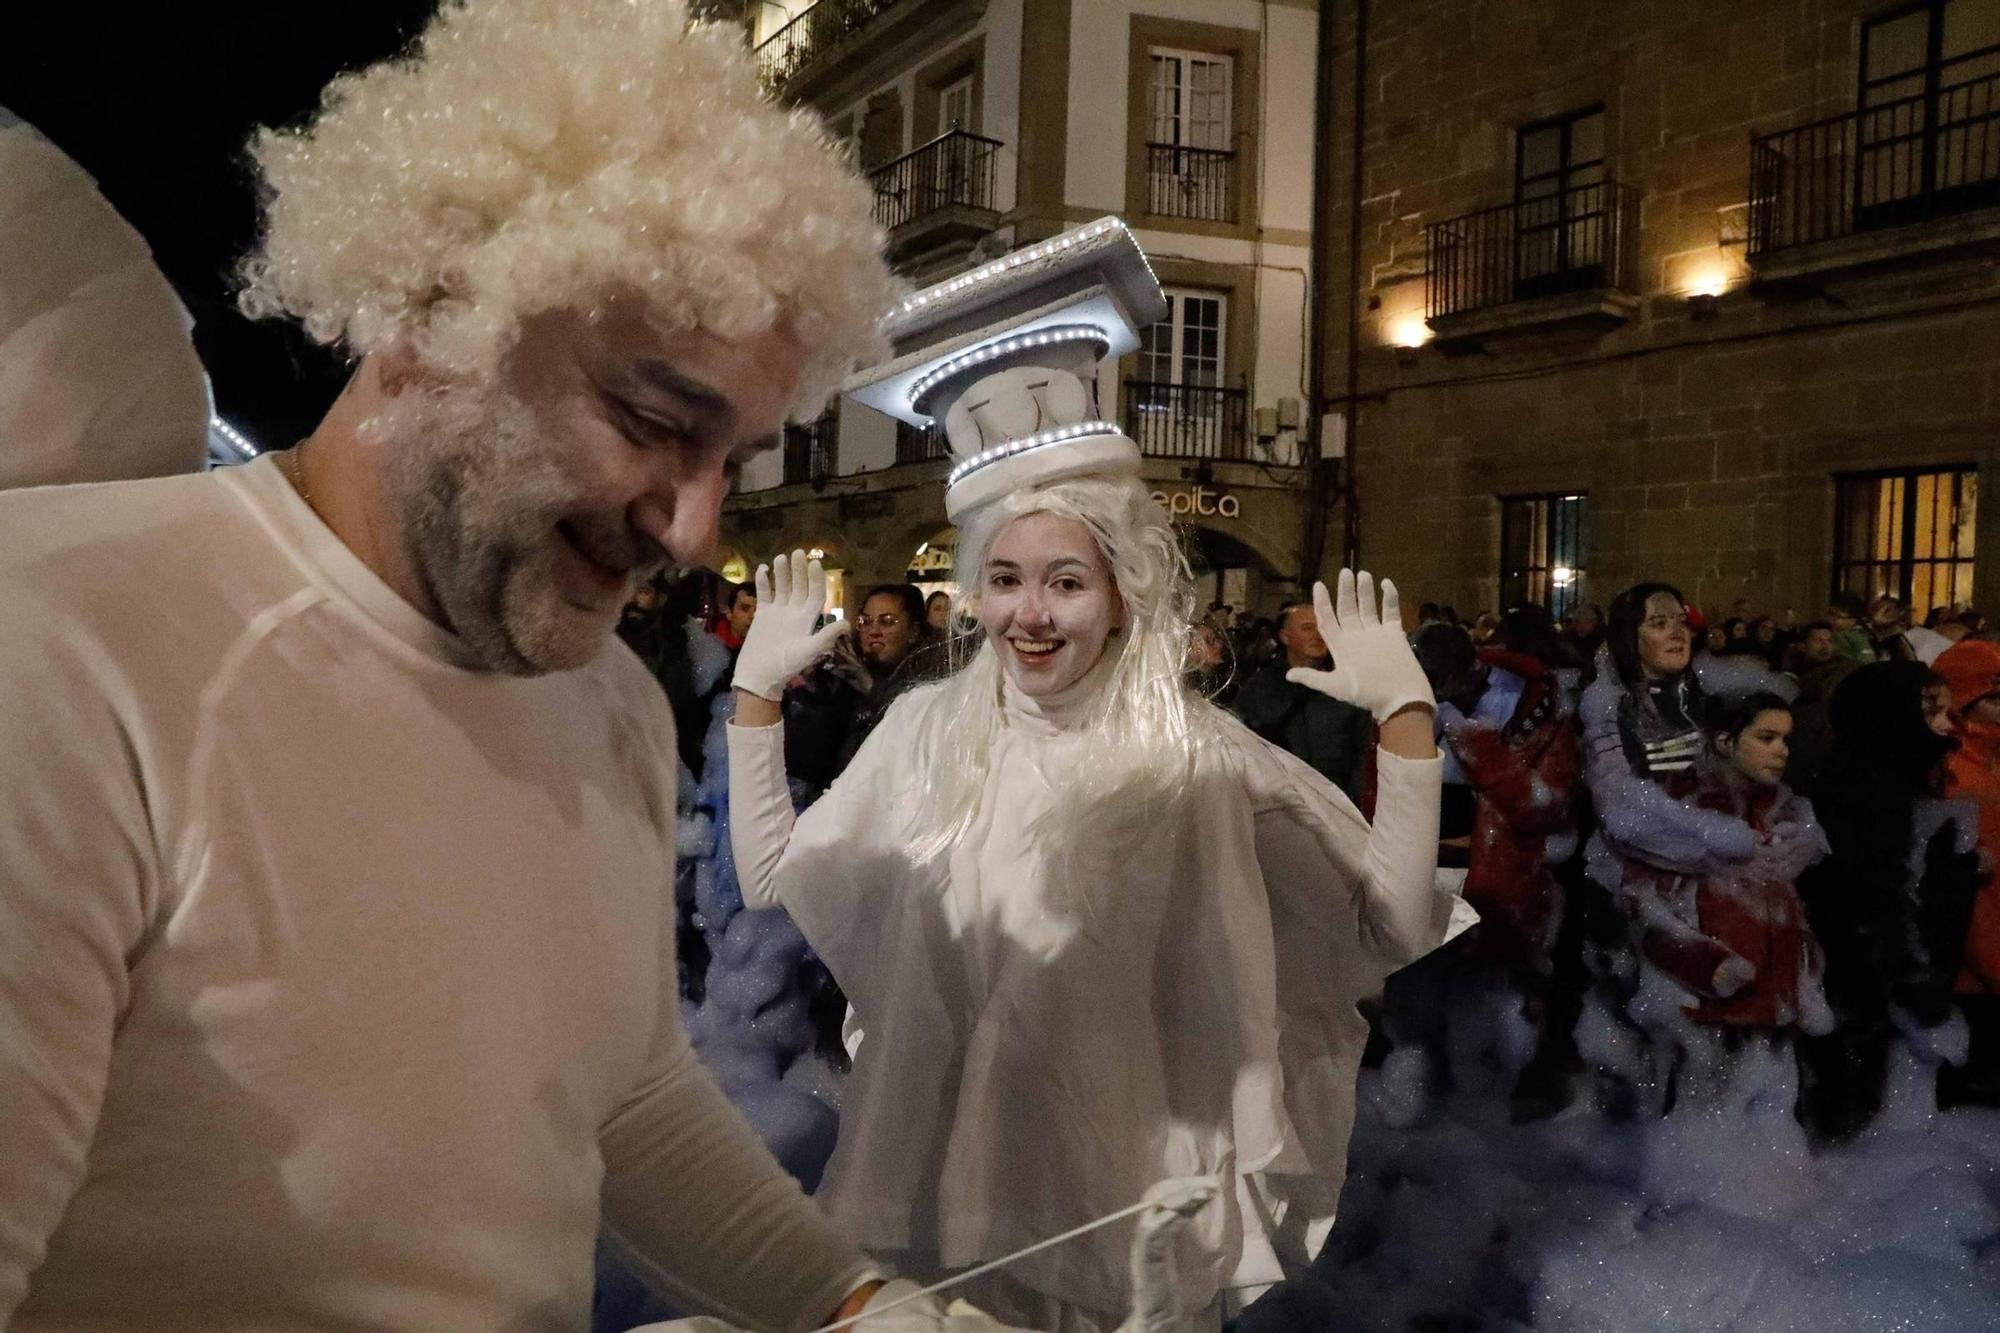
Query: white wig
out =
(539, 155)
(1145, 724)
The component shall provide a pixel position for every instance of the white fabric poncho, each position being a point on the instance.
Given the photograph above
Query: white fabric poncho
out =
(1036, 1057)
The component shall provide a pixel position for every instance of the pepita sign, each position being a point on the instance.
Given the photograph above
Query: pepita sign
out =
(1200, 502)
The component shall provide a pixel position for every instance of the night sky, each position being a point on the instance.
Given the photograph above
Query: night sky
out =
(157, 100)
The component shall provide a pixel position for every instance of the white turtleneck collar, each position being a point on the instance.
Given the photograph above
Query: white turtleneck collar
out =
(1066, 710)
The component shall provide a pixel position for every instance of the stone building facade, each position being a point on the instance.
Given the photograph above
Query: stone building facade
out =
(987, 125)
(1694, 290)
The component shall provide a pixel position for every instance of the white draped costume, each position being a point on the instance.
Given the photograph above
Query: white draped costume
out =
(1035, 1058)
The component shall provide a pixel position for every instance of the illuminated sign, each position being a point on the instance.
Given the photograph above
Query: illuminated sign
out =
(1200, 502)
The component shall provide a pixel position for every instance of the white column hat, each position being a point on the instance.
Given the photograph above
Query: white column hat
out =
(1006, 358)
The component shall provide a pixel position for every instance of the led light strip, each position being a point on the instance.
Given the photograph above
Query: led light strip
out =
(1024, 444)
(237, 439)
(1054, 245)
(1061, 333)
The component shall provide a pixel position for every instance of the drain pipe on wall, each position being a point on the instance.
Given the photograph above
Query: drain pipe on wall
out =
(1351, 508)
(1316, 494)
(1330, 477)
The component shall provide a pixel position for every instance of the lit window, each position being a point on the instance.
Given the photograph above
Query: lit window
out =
(1542, 551)
(1908, 535)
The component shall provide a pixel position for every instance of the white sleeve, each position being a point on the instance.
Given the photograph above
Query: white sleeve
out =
(79, 882)
(697, 1206)
(1373, 886)
(1399, 867)
(760, 809)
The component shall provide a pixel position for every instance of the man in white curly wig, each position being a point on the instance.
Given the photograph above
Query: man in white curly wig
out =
(337, 983)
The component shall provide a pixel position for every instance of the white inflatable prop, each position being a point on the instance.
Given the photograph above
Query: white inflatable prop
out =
(99, 380)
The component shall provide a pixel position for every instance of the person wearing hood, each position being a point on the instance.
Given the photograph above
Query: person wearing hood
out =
(1642, 723)
(1972, 669)
(1890, 905)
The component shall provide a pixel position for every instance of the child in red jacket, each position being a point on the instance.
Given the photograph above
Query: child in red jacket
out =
(1734, 937)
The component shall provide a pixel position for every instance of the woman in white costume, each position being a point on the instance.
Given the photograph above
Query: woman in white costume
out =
(1094, 931)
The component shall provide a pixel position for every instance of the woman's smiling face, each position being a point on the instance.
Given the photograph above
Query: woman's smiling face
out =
(1048, 602)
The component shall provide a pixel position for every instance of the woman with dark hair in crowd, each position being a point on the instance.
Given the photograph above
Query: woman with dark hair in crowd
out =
(1771, 641)
(1641, 722)
(1734, 940)
(937, 614)
(1890, 905)
(1642, 717)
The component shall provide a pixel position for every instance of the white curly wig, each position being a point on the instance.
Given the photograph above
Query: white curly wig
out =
(537, 155)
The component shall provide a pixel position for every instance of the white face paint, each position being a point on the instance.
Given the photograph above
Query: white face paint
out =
(1048, 602)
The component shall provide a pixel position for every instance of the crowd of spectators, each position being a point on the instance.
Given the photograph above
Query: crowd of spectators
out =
(1722, 828)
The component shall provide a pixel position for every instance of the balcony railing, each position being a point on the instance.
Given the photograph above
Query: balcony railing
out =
(811, 451)
(924, 444)
(814, 32)
(953, 170)
(1581, 239)
(1897, 162)
(1197, 183)
(1187, 420)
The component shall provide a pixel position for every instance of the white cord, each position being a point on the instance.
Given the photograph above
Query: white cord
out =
(971, 1273)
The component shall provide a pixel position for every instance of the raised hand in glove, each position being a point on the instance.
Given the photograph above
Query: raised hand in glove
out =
(781, 642)
(1373, 667)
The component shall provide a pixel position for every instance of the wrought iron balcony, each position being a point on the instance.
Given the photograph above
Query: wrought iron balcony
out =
(812, 451)
(1577, 240)
(1197, 183)
(1891, 164)
(951, 174)
(1187, 420)
(920, 445)
(816, 30)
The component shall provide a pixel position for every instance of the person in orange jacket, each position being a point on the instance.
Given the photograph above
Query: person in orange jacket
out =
(1972, 669)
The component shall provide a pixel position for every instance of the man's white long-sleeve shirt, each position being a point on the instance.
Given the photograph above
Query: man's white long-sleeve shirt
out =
(337, 982)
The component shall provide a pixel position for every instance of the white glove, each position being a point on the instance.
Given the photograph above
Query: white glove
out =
(781, 642)
(1373, 667)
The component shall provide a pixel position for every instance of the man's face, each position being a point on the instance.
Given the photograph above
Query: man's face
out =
(532, 504)
(742, 610)
(1583, 621)
(1300, 634)
(1885, 615)
(886, 631)
(1819, 645)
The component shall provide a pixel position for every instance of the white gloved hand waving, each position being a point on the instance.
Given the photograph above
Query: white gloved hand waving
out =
(1373, 666)
(781, 642)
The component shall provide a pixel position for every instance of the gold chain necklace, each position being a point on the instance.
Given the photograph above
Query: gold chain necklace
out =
(295, 472)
